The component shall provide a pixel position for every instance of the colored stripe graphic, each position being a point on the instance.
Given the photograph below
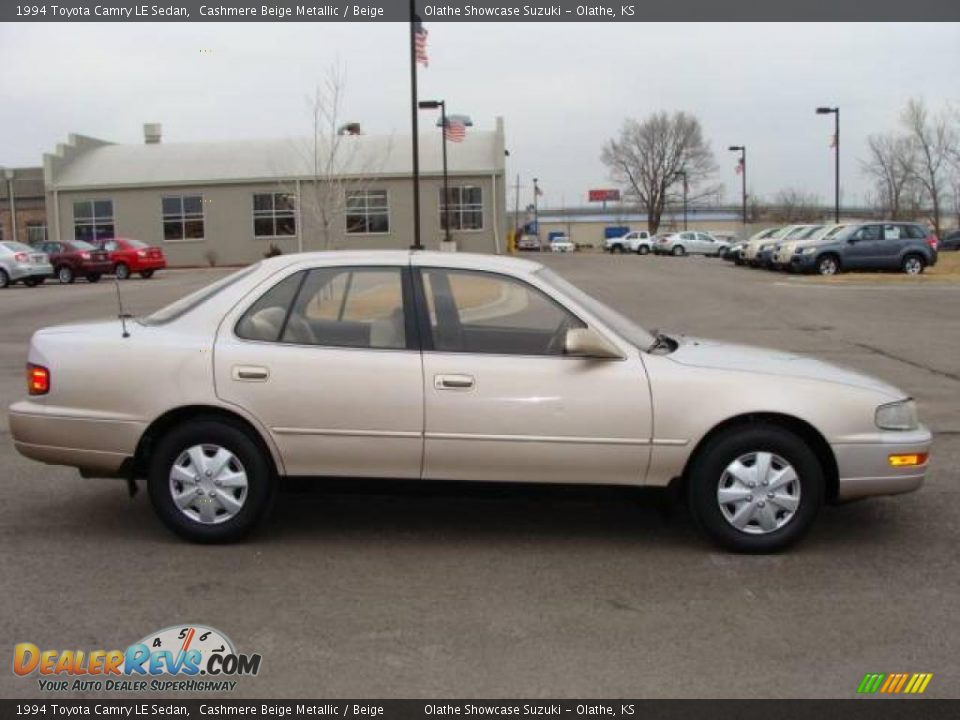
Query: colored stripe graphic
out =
(894, 683)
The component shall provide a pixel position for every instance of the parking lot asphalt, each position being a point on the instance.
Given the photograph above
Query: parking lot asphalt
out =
(528, 594)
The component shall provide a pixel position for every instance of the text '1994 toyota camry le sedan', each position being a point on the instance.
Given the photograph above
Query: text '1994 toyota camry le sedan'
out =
(441, 366)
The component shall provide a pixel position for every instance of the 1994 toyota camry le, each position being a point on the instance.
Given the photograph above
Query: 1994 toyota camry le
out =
(443, 366)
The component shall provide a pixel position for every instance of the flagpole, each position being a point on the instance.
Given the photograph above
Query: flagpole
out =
(416, 128)
(446, 186)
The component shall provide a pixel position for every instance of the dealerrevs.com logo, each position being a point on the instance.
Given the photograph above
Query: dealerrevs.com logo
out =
(186, 658)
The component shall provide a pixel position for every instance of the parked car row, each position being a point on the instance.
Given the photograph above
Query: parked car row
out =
(834, 248)
(68, 260)
(678, 244)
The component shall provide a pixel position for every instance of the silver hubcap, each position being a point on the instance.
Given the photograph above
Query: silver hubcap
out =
(912, 266)
(759, 492)
(208, 484)
(828, 266)
(65, 275)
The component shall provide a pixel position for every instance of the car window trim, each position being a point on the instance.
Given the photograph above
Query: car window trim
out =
(423, 312)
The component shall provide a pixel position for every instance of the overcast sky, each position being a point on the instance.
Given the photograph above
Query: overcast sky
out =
(562, 88)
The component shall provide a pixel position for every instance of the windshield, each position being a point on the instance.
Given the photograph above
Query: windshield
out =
(808, 232)
(624, 327)
(195, 299)
(136, 243)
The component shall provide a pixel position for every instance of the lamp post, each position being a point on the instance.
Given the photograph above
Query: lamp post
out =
(835, 111)
(742, 149)
(683, 174)
(536, 208)
(433, 105)
(8, 174)
(414, 127)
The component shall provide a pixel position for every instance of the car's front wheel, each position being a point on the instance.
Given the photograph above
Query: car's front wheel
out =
(210, 481)
(756, 488)
(828, 265)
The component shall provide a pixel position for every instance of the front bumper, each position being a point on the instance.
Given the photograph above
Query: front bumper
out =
(98, 446)
(863, 463)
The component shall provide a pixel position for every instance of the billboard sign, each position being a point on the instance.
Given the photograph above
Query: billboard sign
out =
(603, 195)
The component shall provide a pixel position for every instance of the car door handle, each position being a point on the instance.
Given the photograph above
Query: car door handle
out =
(453, 382)
(250, 373)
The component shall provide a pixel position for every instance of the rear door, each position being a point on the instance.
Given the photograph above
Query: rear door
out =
(896, 237)
(504, 403)
(328, 360)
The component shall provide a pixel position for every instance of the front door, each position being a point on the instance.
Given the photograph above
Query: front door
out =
(504, 403)
(863, 248)
(325, 360)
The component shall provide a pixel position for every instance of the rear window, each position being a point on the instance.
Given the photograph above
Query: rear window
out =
(17, 247)
(139, 244)
(915, 232)
(195, 299)
(81, 245)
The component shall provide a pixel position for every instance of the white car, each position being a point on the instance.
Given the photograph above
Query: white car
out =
(562, 244)
(636, 241)
(454, 367)
(690, 243)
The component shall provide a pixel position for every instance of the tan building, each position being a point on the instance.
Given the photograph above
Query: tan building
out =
(229, 202)
(25, 217)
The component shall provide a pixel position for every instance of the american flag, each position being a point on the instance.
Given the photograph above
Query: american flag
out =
(420, 43)
(455, 130)
(833, 141)
(739, 167)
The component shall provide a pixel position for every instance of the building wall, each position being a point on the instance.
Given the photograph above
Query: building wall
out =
(228, 219)
(28, 212)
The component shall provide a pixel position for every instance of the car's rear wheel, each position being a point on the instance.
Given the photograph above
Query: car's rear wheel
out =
(756, 488)
(678, 250)
(65, 275)
(828, 265)
(643, 250)
(4, 279)
(122, 271)
(94, 277)
(912, 265)
(146, 274)
(210, 481)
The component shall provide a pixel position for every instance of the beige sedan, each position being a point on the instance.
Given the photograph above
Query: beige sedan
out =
(452, 367)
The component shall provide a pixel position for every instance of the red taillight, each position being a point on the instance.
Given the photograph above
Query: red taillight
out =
(85, 255)
(21, 257)
(933, 241)
(38, 379)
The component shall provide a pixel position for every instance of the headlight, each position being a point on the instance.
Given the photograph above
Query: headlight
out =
(900, 415)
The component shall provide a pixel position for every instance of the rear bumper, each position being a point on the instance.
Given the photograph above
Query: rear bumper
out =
(25, 272)
(148, 264)
(97, 446)
(865, 470)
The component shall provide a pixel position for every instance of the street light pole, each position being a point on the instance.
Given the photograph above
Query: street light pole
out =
(432, 105)
(742, 149)
(835, 111)
(683, 174)
(8, 174)
(536, 209)
(415, 126)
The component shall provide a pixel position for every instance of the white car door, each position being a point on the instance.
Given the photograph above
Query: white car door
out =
(504, 403)
(327, 360)
(706, 244)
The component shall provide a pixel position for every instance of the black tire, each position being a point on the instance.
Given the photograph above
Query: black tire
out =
(678, 251)
(65, 275)
(94, 277)
(146, 274)
(643, 250)
(829, 264)
(122, 271)
(4, 279)
(708, 471)
(913, 264)
(237, 440)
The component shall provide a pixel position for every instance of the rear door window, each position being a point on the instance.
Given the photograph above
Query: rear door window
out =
(893, 232)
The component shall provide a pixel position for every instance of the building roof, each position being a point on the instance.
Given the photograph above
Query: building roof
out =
(113, 165)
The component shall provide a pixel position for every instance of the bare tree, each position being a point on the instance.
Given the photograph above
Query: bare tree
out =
(333, 159)
(934, 140)
(647, 158)
(795, 206)
(892, 163)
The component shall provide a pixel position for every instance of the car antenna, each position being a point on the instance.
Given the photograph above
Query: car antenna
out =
(123, 316)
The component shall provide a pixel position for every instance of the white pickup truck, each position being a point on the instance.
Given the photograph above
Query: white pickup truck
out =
(636, 241)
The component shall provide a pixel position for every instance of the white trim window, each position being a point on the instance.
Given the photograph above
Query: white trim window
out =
(93, 220)
(274, 215)
(182, 218)
(368, 212)
(466, 208)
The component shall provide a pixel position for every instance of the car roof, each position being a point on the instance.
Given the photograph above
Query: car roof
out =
(419, 258)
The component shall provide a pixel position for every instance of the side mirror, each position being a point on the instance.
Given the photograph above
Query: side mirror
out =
(588, 343)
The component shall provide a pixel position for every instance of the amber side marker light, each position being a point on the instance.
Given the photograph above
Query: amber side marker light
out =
(38, 380)
(908, 459)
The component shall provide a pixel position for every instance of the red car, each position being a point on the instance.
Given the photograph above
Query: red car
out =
(133, 256)
(76, 259)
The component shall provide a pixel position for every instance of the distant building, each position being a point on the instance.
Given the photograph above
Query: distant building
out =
(30, 223)
(229, 201)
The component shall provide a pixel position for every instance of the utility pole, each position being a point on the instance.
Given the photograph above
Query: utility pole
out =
(742, 149)
(536, 207)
